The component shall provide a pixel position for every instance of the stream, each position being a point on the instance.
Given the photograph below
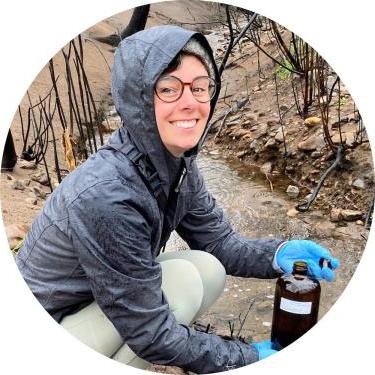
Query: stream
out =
(255, 210)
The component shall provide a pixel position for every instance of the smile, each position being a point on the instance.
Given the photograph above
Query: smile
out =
(185, 124)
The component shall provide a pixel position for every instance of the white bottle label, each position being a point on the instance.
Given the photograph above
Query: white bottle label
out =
(295, 307)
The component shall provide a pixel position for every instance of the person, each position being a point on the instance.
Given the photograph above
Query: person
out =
(93, 256)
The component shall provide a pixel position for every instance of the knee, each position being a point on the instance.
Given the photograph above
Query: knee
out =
(212, 268)
(182, 285)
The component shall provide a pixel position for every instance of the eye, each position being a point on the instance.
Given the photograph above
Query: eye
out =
(199, 89)
(166, 90)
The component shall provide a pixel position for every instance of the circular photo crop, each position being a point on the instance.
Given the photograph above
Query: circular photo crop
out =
(187, 186)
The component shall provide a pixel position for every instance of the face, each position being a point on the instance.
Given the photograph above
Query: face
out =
(182, 123)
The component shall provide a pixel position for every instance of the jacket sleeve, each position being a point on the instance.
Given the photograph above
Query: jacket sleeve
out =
(113, 244)
(206, 227)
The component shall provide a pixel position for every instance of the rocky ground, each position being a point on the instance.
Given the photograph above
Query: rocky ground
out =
(253, 134)
(294, 147)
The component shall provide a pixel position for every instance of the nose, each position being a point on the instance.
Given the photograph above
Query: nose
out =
(187, 98)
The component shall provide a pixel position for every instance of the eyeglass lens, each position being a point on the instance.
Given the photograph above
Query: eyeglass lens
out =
(170, 88)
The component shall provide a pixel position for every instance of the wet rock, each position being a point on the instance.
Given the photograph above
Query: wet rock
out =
(259, 130)
(24, 164)
(360, 222)
(292, 212)
(232, 123)
(351, 215)
(239, 133)
(271, 143)
(266, 167)
(241, 154)
(308, 197)
(279, 135)
(369, 176)
(316, 154)
(18, 185)
(358, 183)
(255, 145)
(308, 145)
(312, 121)
(292, 191)
(335, 215)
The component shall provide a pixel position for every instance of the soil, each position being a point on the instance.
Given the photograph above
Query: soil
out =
(304, 168)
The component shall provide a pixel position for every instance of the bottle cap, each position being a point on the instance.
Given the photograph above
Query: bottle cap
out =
(300, 267)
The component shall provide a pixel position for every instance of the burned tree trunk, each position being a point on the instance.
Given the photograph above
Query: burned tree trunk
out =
(137, 23)
(9, 159)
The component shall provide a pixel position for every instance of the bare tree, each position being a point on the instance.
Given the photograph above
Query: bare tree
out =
(137, 23)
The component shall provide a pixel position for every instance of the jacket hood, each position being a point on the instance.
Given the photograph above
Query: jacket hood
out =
(139, 60)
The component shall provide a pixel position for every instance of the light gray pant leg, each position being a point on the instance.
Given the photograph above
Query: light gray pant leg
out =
(192, 281)
(94, 329)
(211, 272)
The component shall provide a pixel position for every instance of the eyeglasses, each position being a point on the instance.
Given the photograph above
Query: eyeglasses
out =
(170, 88)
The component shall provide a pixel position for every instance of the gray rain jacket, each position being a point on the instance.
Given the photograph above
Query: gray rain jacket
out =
(100, 231)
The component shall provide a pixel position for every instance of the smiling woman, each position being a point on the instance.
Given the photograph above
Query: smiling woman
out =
(181, 123)
(94, 256)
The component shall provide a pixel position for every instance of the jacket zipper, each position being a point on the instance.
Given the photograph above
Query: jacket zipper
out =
(181, 180)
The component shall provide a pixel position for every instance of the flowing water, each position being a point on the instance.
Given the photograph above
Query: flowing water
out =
(255, 210)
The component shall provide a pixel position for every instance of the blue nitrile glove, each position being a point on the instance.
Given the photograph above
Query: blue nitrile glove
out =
(310, 252)
(264, 348)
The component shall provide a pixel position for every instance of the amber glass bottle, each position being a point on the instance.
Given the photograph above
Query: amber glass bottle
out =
(296, 306)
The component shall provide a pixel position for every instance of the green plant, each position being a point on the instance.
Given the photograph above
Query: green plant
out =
(342, 101)
(282, 72)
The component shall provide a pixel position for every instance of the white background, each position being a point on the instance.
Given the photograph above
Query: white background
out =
(32, 32)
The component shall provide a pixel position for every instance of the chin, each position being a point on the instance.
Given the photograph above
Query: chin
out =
(188, 147)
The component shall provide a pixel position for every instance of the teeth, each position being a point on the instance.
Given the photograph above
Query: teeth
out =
(185, 124)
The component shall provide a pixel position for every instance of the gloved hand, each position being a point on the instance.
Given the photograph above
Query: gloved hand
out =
(310, 252)
(264, 348)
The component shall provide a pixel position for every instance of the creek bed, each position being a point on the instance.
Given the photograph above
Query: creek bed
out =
(256, 211)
